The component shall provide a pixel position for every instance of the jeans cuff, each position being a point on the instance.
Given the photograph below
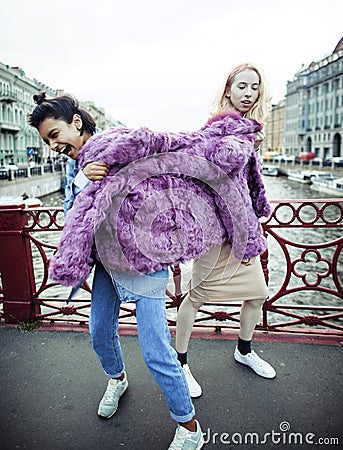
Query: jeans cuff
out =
(185, 418)
(115, 375)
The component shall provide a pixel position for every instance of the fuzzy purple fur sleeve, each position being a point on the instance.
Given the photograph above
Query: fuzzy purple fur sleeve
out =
(258, 196)
(226, 141)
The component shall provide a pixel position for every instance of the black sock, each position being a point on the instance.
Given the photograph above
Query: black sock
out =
(182, 357)
(244, 347)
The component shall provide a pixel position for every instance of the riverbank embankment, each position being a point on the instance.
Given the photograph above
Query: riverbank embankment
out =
(284, 168)
(34, 186)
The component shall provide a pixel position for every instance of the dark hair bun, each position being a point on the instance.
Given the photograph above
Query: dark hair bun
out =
(40, 98)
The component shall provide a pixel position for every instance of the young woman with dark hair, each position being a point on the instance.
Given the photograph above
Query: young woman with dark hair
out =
(66, 129)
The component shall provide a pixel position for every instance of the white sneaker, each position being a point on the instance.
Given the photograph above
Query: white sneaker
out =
(257, 364)
(193, 386)
(109, 402)
(187, 440)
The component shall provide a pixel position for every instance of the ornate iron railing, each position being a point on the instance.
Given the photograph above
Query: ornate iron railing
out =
(313, 268)
(303, 267)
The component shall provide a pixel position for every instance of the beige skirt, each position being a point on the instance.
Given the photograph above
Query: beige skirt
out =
(218, 276)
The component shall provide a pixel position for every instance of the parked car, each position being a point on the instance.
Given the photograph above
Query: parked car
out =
(288, 158)
(337, 161)
(277, 158)
(9, 167)
(317, 161)
(5, 173)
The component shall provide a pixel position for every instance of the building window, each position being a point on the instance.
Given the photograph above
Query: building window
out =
(337, 121)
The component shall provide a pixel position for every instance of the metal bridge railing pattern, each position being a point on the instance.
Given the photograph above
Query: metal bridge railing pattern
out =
(306, 298)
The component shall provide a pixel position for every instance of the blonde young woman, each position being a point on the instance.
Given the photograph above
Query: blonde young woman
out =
(218, 275)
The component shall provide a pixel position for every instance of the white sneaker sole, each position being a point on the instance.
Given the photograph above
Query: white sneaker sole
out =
(112, 413)
(261, 374)
(195, 394)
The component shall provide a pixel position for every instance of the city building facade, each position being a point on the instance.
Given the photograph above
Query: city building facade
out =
(314, 108)
(274, 129)
(21, 144)
(102, 120)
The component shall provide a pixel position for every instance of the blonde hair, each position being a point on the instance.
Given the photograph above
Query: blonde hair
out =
(261, 107)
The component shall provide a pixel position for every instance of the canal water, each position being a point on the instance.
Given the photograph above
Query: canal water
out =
(278, 188)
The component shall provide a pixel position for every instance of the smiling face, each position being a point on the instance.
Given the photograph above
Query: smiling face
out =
(63, 137)
(244, 90)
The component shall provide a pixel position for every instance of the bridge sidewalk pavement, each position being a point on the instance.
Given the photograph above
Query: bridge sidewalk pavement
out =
(51, 383)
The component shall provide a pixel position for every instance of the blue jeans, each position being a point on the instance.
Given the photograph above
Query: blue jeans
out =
(153, 334)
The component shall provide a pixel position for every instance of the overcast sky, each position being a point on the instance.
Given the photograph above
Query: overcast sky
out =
(160, 63)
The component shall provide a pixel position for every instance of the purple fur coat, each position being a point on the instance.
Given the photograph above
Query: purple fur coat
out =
(168, 198)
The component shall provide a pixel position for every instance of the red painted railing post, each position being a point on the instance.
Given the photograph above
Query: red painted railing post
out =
(264, 262)
(16, 266)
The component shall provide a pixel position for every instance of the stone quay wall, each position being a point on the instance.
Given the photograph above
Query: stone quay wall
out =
(34, 186)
